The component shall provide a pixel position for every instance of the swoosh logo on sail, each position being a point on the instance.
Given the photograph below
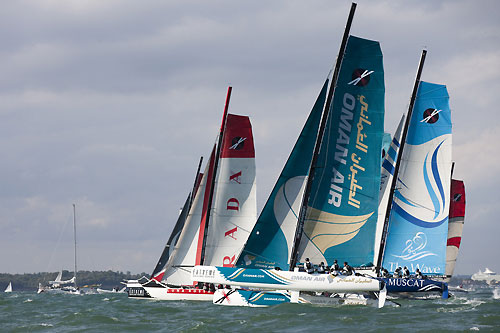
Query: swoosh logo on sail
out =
(437, 203)
(326, 229)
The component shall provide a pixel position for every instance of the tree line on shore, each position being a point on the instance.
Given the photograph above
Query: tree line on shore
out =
(29, 281)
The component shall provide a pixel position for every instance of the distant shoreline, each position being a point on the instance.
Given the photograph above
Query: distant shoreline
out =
(29, 281)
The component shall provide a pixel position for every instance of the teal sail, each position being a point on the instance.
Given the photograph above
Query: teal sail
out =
(269, 244)
(342, 208)
(386, 144)
(418, 222)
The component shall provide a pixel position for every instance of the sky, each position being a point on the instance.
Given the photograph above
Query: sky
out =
(110, 104)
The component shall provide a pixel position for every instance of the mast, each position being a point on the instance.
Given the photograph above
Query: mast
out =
(196, 182)
(398, 159)
(319, 138)
(214, 173)
(74, 236)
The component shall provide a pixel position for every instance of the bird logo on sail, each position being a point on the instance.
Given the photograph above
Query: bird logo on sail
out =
(360, 77)
(431, 116)
(237, 143)
(325, 229)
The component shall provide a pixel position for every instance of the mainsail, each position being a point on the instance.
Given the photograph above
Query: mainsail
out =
(388, 167)
(235, 200)
(342, 208)
(159, 269)
(418, 222)
(455, 224)
(184, 253)
(234, 206)
(271, 239)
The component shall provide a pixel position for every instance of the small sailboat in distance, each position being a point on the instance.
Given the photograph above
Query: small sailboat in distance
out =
(59, 285)
(9, 288)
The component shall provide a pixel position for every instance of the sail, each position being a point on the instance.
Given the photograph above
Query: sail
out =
(342, 208)
(270, 241)
(455, 224)
(386, 144)
(58, 279)
(235, 201)
(386, 177)
(159, 270)
(183, 258)
(418, 223)
(9, 288)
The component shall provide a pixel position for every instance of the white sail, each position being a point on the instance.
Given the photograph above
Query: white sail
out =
(178, 268)
(235, 203)
(9, 288)
(387, 175)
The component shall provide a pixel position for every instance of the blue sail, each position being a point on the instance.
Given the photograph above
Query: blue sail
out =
(272, 237)
(418, 224)
(342, 209)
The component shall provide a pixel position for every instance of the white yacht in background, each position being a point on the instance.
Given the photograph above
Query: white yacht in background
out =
(488, 275)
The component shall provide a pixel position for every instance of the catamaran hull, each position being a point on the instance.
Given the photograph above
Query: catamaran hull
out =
(252, 298)
(411, 285)
(156, 290)
(284, 280)
(179, 294)
(258, 298)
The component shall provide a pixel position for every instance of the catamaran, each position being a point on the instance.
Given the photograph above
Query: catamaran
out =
(59, 285)
(417, 203)
(324, 204)
(223, 212)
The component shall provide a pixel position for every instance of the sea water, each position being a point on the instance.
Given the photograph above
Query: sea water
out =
(476, 310)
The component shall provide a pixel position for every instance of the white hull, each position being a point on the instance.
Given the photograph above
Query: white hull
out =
(179, 294)
(284, 280)
(105, 291)
(156, 290)
(249, 298)
(69, 291)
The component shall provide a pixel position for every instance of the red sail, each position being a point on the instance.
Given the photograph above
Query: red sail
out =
(455, 224)
(238, 139)
(201, 235)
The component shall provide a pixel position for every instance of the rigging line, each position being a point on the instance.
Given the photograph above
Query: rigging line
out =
(57, 244)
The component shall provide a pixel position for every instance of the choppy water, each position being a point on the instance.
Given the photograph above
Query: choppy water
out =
(477, 310)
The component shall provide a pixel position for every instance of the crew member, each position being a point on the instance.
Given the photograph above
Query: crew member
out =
(321, 268)
(308, 267)
(347, 270)
(335, 268)
(406, 272)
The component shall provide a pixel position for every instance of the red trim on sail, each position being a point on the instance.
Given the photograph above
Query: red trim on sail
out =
(457, 202)
(206, 196)
(238, 138)
(159, 277)
(454, 241)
